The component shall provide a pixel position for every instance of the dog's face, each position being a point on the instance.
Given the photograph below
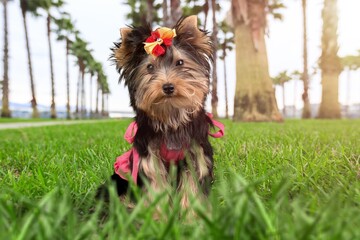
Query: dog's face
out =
(172, 86)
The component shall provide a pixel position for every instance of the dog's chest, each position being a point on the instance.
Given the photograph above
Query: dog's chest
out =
(174, 144)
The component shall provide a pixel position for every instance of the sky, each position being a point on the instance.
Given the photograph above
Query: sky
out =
(99, 22)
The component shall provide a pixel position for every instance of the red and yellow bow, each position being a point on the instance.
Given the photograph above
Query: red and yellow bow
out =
(159, 37)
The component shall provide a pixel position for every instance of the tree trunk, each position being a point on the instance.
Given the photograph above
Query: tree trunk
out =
(68, 115)
(348, 85)
(77, 95)
(225, 83)
(83, 107)
(283, 98)
(102, 104)
(176, 12)
(165, 13)
(150, 11)
(97, 99)
(35, 113)
(5, 112)
(91, 83)
(214, 97)
(52, 108)
(305, 77)
(254, 94)
(330, 63)
(206, 12)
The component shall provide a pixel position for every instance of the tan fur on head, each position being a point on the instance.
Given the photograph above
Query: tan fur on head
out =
(123, 53)
(199, 39)
(187, 99)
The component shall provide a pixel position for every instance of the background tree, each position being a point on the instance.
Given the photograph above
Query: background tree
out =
(226, 45)
(91, 69)
(349, 63)
(30, 6)
(305, 75)
(297, 76)
(280, 80)
(254, 94)
(175, 12)
(47, 5)
(329, 62)
(139, 7)
(214, 96)
(5, 111)
(79, 50)
(65, 29)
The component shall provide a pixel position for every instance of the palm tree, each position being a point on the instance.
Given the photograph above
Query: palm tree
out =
(350, 63)
(175, 12)
(226, 45)
(5, 112)
(280, 80)
(104, 87)
(296, 76)
(92, 67)
(29, 6)
(139, 7)
(47, 5)
(79, 50)
(254, 94)
(305, 76)
(330, 63)
(65, 28)
(214, 97)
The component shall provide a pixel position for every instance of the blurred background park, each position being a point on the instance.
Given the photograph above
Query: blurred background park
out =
(285, 59)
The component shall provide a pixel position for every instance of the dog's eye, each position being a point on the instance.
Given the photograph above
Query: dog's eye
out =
(179, 62)
(150, 67)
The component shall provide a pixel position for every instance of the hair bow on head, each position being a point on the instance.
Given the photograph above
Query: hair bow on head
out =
(159, 37)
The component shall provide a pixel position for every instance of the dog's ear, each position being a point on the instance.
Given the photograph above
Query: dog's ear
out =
(187, 30)
(123, 52)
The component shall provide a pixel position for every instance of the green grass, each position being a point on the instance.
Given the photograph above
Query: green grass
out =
(296, 180)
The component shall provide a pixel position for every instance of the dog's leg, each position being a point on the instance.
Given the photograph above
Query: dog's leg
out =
(155, 172)
(195, 179)
(121, 188)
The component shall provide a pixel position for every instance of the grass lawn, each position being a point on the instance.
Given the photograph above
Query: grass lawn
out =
(296, 180)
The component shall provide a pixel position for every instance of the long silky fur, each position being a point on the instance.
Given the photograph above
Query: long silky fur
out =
(189, 127)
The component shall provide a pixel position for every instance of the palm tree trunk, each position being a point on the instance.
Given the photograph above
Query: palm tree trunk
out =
(305, 77)
(206, 11)
(102, 104)
(68, 116)
(5, 112)
(348, 92)
(52, 108)
(78, 94)
(330, 63)
(90, 89)
(150, 11)
(225, 83)
(176, 11)
(83, 110)
(97, 98)
(165, 13)
(283, 97)
(214, 97)
(254, 94)
(35, 113)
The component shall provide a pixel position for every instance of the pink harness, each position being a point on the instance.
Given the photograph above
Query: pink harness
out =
(122, 164)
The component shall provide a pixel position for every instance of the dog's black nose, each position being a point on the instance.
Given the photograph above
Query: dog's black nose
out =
(168, 88)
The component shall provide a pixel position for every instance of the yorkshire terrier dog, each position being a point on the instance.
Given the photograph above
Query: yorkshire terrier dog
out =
(167, 73)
